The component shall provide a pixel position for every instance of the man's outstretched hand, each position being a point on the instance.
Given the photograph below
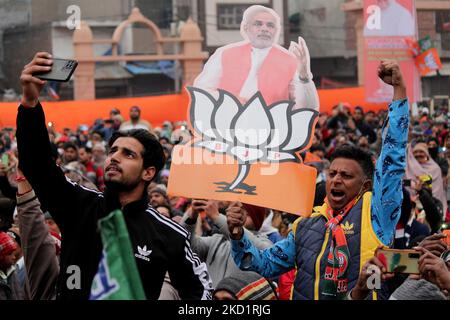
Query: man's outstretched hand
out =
(389, 71)
(32, 86)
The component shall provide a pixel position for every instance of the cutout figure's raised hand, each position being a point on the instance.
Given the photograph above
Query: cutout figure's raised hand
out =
(300, 50)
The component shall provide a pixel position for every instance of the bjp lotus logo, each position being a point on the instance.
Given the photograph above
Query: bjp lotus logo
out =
(251, 132)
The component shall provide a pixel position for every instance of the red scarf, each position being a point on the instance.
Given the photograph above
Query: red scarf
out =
(335, 278)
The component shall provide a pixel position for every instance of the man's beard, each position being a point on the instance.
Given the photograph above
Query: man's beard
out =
(154, 204)
(119, 186)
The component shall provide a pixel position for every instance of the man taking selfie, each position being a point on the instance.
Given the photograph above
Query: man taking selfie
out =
(135, 157)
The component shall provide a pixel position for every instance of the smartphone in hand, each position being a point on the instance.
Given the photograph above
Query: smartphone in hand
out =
(62, 70)
(399, 261)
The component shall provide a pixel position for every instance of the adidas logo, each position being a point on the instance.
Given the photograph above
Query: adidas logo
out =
(348, 228)
(143, 253)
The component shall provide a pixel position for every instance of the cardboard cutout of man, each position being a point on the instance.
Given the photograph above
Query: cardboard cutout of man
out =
(252, 112)
(259, 64)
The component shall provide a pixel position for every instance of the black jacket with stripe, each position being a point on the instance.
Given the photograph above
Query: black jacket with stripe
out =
(159, 244)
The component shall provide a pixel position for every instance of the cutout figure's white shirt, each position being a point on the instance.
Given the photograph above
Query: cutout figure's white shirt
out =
(304, 94)
(251, 83)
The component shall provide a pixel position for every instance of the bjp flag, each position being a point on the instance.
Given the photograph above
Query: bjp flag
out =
(428, 61)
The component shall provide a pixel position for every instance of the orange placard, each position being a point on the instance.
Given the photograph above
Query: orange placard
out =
(246, 152)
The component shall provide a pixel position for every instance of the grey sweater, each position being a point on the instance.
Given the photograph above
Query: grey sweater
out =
(41, 262)
(215, 250)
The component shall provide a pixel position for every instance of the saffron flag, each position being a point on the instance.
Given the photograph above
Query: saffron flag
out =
(428, 61)
(425, 55)
(117, 277)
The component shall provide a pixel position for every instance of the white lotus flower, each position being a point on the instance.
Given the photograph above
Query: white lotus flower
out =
(253, 132)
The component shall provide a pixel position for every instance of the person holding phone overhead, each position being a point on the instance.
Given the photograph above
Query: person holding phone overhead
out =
(135, 157)
(329, 248)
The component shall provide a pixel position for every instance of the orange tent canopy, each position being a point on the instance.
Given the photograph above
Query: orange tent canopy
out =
(155, 109)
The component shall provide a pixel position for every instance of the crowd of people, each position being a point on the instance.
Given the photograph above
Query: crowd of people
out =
(39, 235)
(382, 182)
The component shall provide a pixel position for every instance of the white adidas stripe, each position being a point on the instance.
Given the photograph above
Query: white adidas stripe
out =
(100, 194)
(193, 256)
(199, 268)
(189, 253)
(201, 271)
(168, 222)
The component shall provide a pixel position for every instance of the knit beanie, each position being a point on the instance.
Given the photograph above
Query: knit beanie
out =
(15, 236)
(247, 285)
(160, 188)
(7, 244)
(417, 290)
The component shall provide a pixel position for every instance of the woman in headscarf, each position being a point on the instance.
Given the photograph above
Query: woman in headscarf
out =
(419, 164)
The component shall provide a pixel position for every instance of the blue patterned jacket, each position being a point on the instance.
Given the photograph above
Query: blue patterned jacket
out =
(386, 201)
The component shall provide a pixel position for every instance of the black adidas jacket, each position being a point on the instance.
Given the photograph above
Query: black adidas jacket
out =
(159, 244)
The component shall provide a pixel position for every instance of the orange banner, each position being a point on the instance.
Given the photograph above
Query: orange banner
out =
(156, 109)
(71, 114)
